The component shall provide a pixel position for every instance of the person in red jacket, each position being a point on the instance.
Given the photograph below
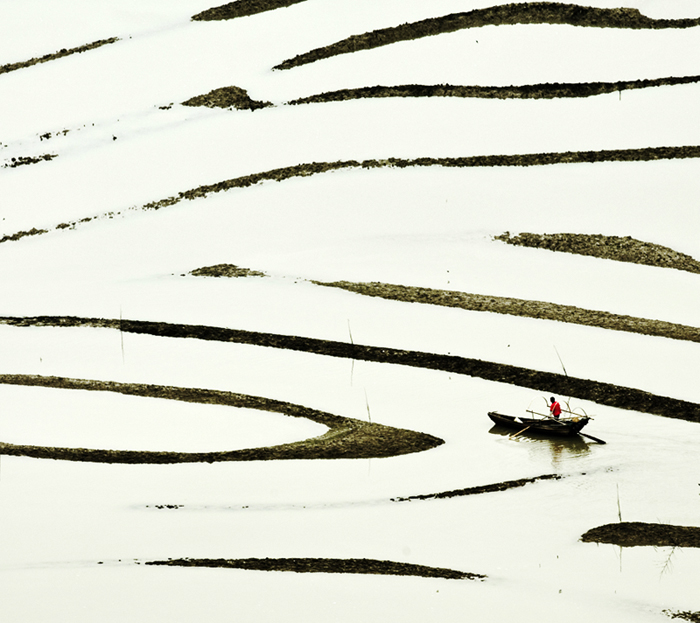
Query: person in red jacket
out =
(555, 408)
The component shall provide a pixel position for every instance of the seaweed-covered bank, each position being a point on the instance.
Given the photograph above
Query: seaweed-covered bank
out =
(323, 565)
(595, 391)
(618, 248)
(308, 169)
(347, 438)
(227, 97)
(491, 488)
(639, 534)
(226, 270)
(526, 91)
(500, 15)
(520, 307)
(56, 55)
(242, 8)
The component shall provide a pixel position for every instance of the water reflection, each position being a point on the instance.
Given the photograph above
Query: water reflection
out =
(558, 449)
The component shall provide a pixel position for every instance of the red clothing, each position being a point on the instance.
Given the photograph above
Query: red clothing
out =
(555, 409)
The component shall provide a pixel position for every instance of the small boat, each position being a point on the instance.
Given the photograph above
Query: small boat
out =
(547, 425)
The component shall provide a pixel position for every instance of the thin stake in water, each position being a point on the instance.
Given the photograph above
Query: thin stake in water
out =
(619, 509)
(121, 333)
(352, 365)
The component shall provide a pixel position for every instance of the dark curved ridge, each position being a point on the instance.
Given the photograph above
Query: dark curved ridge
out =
(521, 307)
(242, 8)
(52, 57)
(491, 488)
(527, 91)
(585, 389)
(323, 565)
(306, 170)
(637, 534)
(347, 438)
(506, 14)
(515, 160)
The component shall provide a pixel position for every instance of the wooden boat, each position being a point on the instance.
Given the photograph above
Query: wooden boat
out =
(550, 426)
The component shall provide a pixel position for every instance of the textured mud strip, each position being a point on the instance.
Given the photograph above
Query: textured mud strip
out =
(21, 234)
(521, 307)
(620, 249)
(313, 168)
(52, 57)
(635, 534)
(584, 389)
(226, 270)
(24, 160)
(242, 8)
(346, 438)
(683, 615)
(490, 488)
(528, 91)
(323, 565)
(506, 14)
(227, 97)
(499, 486)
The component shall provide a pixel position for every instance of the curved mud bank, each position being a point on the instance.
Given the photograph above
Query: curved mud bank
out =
(638, 534)
(594, 391)
(323, 565)
(313, 168)
(506, 14)
(528, 91)
(242, 8)
(521, 307)
(616, 248)
(56, 55)
(347, 438)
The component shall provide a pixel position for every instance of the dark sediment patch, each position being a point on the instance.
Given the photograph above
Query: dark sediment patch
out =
(684, 615)
(528, 91)
(227, 97)
(621, 249)
(637, 534)
(56, 55)
(347, 438)
(492, 488)
(506, 14)
(308, 169)
(24, 160)
(226, 270)
(595, 391)
(323, 565)
(47, 135)
(21, 234)
(521, 307)
(242, 8)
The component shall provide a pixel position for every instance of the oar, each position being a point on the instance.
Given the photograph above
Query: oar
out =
(593, 438)
(520, 431)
